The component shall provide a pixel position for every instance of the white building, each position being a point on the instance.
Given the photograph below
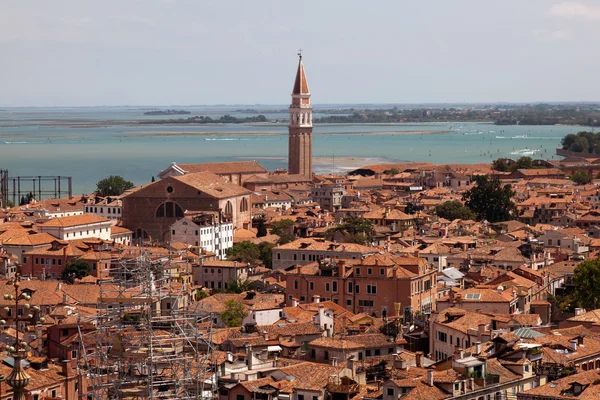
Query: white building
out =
(108, 208)
(77, 227)
(204, 232)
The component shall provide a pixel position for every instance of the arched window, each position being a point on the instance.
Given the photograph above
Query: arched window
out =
(169, 209)
(243, 205)
(228, 209)
(140, 233)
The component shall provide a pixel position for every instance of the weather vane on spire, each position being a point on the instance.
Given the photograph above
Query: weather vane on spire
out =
(300, 53)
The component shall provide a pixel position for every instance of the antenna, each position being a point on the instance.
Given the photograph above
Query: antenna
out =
(300, 52)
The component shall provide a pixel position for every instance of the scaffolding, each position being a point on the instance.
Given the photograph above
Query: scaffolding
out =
(144, 341)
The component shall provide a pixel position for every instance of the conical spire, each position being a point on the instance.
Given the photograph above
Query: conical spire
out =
(300, 85)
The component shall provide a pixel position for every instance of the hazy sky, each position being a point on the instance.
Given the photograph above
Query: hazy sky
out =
(153, 52)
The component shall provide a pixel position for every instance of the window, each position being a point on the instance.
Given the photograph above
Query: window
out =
(348, 302)
(24, 260)
(73, 354)
(349, 287)
(390, 391)
(357, 271)
(240, 397)
(295, 283)
(300, 397)
(357, 289)
(334, 286)
(313, 353)
(326, 355)
(369, 271)
(229, 209)
(327, 286)
(169, 209)
(382, 271)
(65, 332)
(311, 285)
(371, 289)
(442, 337)
(377, 352)
(244, 205)
(368, 353)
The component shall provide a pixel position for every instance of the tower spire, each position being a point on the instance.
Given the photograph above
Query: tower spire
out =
(300, 128)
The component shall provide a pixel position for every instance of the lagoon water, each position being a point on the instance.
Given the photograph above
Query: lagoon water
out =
(91, 143)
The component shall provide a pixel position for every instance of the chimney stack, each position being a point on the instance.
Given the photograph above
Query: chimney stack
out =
(573, 343)
(430, 377)
(419, 359)
(477, 347)
(316, 298)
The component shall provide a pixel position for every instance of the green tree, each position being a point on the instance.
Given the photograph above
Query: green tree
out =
(454, 209)
(587, 284)
(489, 200)
(238, 286)
(75, 269)
(358, 230)
(500, 165)
(201, 294)
(114, 185)
(266, 254)
(581, 177)
(261, 228)
(522, 163)
(283, 228)
(234, 313)
(246, 252)
(393, 171)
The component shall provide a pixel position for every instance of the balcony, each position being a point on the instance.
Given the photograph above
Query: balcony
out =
(488, 380)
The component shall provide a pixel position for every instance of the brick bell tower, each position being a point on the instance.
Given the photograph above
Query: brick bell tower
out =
(300, 128)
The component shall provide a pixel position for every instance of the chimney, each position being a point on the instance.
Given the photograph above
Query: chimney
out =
(229, 356)
(573, 343)
(341, 265)
(472, 383)
(294, 302)
(351, 366)
(250, 356)
(316, 298)
(334, 361)
(430, 377)
(477, 347)
(500, 289)
(419, 359)
(66, 369)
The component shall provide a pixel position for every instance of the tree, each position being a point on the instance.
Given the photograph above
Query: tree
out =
(358, 230)
(201, 294)
(283, 228)
(522, 163)
(489, 200)
(266, 254)
(246, 252)
(587, 284)
(234, 313)
(393, 171)
(75, 269)
(238, 286)
(500, 165)
(262, 228)
(581, 177)
(114, 185)
(454, 209)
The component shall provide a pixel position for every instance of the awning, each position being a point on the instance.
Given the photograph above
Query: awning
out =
(273, 348)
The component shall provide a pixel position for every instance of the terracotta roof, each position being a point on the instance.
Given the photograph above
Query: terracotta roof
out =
(300, 84)
(74, 220)
(212, 184)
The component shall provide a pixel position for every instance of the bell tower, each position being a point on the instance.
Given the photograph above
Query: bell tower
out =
(300, 128)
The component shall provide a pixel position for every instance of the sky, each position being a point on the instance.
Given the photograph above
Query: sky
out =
(178, 52)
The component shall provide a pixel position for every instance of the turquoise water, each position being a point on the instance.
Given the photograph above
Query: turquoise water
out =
(72, 142)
